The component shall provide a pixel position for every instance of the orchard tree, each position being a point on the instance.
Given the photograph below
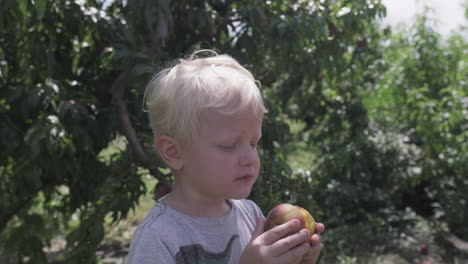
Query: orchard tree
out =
(422, 99)
(59, 88)
(73, 76)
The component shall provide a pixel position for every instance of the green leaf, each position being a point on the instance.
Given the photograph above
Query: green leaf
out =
(23, 7)
(41, 6)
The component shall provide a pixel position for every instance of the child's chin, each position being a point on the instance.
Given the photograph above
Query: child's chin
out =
(240, 195)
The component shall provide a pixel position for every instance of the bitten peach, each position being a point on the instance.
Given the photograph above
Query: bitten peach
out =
(283, 213)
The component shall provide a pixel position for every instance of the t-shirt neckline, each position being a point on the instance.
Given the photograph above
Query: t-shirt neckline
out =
(201, 221)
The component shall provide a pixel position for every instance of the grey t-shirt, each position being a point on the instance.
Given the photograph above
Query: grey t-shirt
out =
(168, 236)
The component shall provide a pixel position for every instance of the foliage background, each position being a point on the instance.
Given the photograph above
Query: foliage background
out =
(377, 119)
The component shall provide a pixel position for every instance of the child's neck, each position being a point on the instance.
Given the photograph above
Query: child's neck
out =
(196, 205)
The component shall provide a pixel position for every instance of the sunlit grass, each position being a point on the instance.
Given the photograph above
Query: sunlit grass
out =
(118, 235)
(299, 154)
(123, 230)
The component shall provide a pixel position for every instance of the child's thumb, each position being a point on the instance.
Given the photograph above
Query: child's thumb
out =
(259, 228)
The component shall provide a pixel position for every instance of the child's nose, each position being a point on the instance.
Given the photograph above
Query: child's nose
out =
(249, 156)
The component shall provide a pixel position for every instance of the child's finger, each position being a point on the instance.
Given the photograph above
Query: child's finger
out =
(295, 254)
(258, 228)
(315, 239)
(287, 243)
(315, 249)
(319, 228)
(278, 232)
(312, 255)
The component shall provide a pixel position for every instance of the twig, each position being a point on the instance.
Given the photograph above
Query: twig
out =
(117, 92)
(457, 242)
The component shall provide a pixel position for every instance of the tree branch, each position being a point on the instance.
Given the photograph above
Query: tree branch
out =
(117, 91)
(121, 83)
(457, 242)
(161, 28)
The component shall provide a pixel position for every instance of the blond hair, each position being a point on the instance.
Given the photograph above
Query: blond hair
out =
(177, 95)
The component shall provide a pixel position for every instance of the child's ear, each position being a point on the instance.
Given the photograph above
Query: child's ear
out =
(169, 151)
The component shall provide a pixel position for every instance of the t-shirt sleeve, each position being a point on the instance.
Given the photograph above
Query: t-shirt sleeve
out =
(255, 209)
(259, 211)
(149, 247)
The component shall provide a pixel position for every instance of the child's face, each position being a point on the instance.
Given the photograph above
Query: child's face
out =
(223, 162)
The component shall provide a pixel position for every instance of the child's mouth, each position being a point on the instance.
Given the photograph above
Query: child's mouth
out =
(244, 178)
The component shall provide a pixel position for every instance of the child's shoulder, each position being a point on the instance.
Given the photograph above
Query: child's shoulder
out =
(248, 207)
(158, 219)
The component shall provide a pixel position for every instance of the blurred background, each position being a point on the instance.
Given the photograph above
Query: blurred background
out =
(367, 125)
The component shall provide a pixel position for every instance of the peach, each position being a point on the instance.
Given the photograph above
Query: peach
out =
(283, 213)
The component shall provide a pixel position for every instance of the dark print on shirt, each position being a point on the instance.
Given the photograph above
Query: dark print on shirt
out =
(196, 254)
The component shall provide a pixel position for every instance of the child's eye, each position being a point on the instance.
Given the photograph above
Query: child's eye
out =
(255, 144)
(228, 146)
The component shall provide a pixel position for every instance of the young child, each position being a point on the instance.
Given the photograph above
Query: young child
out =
(206, 114)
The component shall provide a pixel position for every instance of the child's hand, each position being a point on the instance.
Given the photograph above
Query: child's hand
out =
(315, 246)
(276, 246)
